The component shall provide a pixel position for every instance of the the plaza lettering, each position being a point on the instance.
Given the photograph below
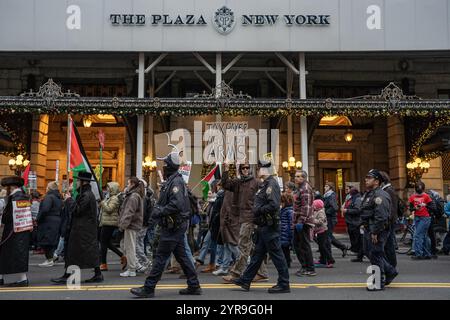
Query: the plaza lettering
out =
(156, 19)
(199, 20)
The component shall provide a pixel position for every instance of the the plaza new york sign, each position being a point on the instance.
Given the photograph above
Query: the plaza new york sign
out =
(223, 20)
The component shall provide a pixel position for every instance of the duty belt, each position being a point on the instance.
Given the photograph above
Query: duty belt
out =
(171, 222)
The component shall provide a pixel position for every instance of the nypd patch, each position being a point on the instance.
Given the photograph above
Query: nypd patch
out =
(175, 189)
(269, 190)
(378, 200)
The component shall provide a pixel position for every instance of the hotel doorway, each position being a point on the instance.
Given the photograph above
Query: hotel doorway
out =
(331, 163)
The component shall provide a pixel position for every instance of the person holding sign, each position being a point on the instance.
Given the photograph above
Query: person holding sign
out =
(14, 254)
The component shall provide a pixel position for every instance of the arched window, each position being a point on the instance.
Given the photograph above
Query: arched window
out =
(334, 121)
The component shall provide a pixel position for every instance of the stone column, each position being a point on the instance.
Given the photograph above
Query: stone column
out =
(397, 154)
(38, 157)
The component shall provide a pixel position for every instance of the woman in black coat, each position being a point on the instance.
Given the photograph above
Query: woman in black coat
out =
(14, 246)
(49, 222)
(83, 248)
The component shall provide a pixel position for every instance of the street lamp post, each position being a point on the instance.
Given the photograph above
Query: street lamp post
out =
(291, 166)
(18, 164)
(417, 168)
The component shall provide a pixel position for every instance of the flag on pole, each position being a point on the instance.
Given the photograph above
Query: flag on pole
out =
(78, 159)
(207, 181)
(25, 175)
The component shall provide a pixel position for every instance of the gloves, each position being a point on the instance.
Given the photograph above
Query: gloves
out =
(299, 227)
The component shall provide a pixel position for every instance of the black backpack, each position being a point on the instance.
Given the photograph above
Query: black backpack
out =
(401, 208)
(437, 207)
(193, 201)
(149, 204)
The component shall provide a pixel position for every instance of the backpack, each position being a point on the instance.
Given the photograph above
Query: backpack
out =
(437, 207)
(401, 208)
(193, 201)
(149, 204)
(121, 197)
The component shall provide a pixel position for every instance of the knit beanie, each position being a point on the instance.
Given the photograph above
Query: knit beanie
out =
(318, 204)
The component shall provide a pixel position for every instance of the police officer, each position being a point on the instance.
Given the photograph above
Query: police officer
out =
(266, 211)
(172, 211)
(375, 213)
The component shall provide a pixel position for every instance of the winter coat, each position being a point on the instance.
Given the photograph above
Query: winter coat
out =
(285, 225)
(131, 214)
(66, 217)
(14, 251)
(331, 206)
(109, 208)
(49, 219)
(229, 220)
(2, 206)
(214, 225)
(353, 211)
(394, 202)
(267, 209)
(320, 221)
(83, 250)
(303, 205)
(244, 190)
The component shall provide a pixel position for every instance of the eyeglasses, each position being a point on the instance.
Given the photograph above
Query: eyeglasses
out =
(298, 176)
(245, 168)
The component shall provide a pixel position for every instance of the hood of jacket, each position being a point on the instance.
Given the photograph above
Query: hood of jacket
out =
(114, 188)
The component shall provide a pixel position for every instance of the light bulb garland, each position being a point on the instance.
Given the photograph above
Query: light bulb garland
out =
(425, 135)
(19, 147)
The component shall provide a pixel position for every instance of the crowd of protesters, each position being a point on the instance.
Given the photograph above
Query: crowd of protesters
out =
(80, 230)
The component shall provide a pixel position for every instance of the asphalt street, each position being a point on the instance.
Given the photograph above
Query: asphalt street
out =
(428, 279)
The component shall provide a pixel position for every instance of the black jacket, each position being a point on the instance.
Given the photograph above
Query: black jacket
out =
(14, 250)
(214, 224)
(49, 219)
(66, 217)
(375, 210)
(353, 212)
(331, 206)
(267, 202)
(83, 249)
(173, 203)
(394, 203)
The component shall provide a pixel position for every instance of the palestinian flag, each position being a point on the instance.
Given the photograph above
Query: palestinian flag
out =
(26, 174)
(207, 181)
(78, 159)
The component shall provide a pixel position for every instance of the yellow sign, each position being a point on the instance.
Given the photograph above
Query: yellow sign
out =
(340, 179)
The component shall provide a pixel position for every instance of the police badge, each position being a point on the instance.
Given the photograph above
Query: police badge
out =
(378, 200)
(223, 20)
(175, 189)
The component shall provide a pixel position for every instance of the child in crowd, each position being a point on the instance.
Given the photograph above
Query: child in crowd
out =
(320, 230)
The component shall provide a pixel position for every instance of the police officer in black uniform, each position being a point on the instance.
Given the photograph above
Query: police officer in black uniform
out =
(172, 211)
(266, 210)
(375, 213)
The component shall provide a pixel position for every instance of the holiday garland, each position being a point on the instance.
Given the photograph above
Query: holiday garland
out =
(233, 107)
(425, 135)
(18, 146)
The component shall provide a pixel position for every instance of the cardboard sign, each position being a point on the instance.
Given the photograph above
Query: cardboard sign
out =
(280, 183)
(22, 218)
(185, 171)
